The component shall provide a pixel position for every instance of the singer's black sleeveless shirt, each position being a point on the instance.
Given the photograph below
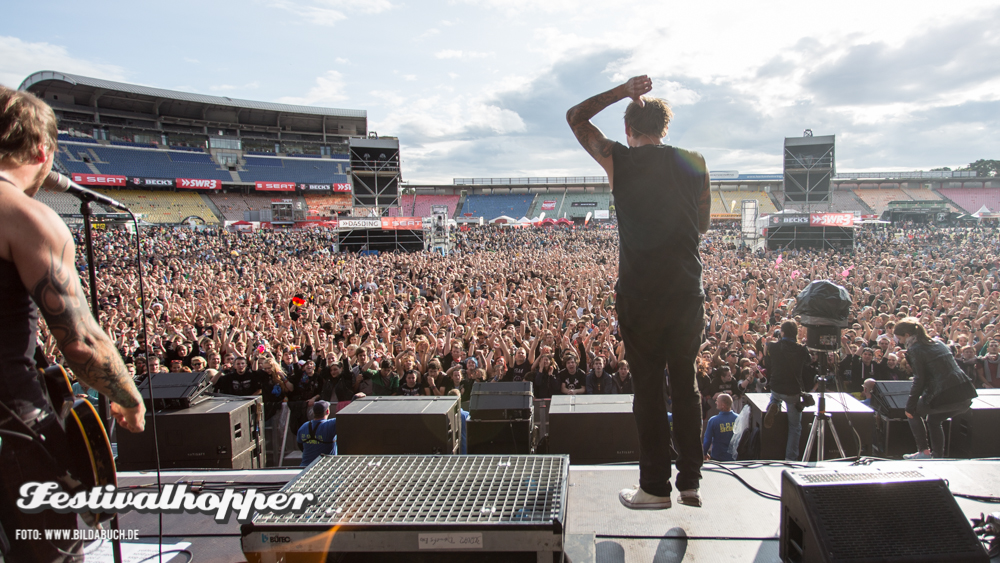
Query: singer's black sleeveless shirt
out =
(19, 387)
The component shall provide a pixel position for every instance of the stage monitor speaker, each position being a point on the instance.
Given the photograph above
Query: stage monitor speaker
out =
(976, 433)
(220, 432)
(892, 437)
(593, 429)
(175, 390)
(809, 167)
(889, 398)
(400, 425)
(840, 407)
(501, 418)
(869, 514)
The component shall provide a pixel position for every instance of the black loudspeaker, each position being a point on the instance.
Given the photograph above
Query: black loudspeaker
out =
(400, 425)
(892, 437)
(976, 433)
(220, 432)
(866, 514)
(840, 407)
(175, 390)
(501, 418)
(593, 429)
(809, 167)
(889, 398)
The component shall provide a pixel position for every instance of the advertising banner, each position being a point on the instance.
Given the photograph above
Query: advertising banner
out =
(191, 184)
(602, 214)
(723, 174)
(789, 220)
(583, 204)
(349, 223)
(548, 206)
(439, 209)
(153, 182)
(276, 186)
(315, 187)
(342, 188)
(831, 220)
(99, 180)
(402, 223)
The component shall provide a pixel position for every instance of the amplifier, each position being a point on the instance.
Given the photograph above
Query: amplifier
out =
(501, 401)
(400, 425)
(870, 514)
(840, 407)
(175, 390)
(889, 398)
(218, 432)
(976, 433)
(593, 429)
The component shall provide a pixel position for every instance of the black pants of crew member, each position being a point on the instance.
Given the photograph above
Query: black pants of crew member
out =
(934, 417)
(667, 332)
(21, 462)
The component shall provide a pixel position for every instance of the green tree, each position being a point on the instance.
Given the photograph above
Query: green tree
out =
(985, 168)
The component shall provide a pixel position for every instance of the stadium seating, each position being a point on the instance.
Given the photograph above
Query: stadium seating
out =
(156, 163)
(490, 207)
(718, 205)
(878, 199)
(924, 194)
(325, 205)
(847, 201)
(61, 203)
(764, 203)
(163, 207)
(232, 205)
(419, 205)
(972, 199)
(603, 201)
(64, 137)
(314, 170)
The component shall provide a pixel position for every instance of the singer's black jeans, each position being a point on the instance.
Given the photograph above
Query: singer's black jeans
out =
(659, 332)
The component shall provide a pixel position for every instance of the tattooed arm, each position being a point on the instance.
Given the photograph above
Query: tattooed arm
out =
(592, 139)
(44, 254)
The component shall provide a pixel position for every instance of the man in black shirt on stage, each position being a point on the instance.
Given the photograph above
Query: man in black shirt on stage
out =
(663, 202)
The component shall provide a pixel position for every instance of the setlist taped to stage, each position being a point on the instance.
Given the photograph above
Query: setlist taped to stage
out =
(451, 541)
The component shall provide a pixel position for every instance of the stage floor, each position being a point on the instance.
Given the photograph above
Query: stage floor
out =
(735, 524)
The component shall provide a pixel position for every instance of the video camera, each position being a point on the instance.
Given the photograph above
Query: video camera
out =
(823, 308)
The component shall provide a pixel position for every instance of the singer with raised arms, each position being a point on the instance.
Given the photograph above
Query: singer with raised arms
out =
(37, 273)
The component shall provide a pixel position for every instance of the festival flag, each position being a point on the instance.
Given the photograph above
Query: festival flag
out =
(298, 301)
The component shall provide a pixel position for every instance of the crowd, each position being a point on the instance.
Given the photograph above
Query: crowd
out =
(284, 315)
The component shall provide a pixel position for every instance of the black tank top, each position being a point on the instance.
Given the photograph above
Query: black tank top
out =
(19, 387)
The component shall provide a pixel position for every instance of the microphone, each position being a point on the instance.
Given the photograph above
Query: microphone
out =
(56, 182)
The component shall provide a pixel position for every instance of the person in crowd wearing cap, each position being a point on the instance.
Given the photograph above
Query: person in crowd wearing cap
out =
(719, 430)
(318, 436)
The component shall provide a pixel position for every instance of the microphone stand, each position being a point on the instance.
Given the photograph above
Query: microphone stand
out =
(103, 407)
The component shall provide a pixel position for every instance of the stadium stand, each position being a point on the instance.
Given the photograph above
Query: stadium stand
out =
(878, 199)
(66, 204)
(924, 194)
(490, 207)
(972, 199)
(232, 205)
(150, 163)
(419, 205)
(314, 170)
(764, 203)
(847, 200)
(326, 204)
(163, 207)
(718, 205)
(603, 201)
(542, 198)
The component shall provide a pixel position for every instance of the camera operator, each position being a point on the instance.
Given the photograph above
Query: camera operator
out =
(785, 360)
(940, 388)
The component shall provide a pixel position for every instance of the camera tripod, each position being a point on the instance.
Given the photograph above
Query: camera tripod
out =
(817, 430)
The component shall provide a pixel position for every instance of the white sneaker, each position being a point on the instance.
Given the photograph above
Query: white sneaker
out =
(918, 455)
(638, 499)
(689, 498)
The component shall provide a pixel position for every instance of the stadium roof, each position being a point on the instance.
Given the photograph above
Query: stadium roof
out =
(40, 77)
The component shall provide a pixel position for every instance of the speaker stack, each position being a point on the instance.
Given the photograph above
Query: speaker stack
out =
(593, 429)
(400, 425)
(892, 437)
(501, 418)
(844, 410)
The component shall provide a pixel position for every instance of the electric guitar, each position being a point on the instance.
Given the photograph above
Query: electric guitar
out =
(74, 439)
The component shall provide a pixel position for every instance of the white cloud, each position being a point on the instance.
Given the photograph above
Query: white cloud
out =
(329, 12)
(429, 33)
(342, 61)
(329, 89)
(461, 55)
(18, 59)
(409, 77)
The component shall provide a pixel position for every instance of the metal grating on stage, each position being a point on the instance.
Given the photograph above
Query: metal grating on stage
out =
(458, 508)
(430, 489)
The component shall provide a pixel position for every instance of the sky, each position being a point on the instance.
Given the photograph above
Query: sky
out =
(480, 88)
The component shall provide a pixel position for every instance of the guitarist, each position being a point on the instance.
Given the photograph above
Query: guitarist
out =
(37, 269)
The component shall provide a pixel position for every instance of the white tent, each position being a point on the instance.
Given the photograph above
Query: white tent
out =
(981, 211)
(503, 219)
